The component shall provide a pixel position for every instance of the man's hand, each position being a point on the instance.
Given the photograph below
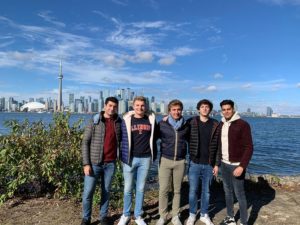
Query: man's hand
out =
(238, 171)
(215, 171)
(87, 169)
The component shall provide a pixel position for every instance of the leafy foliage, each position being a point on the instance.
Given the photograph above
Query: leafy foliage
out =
(36, 159)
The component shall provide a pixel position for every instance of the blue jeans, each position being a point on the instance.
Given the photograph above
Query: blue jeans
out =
(105, 172)
(137, 173)
(234, 184)
(197, 172)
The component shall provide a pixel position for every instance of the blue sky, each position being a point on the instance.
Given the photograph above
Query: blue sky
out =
(248, 51)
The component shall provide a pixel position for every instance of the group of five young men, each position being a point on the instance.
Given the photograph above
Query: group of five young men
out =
(210, 144)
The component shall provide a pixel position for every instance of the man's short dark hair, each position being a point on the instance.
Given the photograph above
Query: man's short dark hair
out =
(205, 102)
(111, 99)
(227, 102)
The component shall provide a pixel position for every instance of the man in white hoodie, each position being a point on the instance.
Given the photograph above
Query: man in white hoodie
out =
(237, 148)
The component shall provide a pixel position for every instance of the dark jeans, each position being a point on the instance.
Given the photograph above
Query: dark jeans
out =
(105, 172)
(234, 184)
(204, 173)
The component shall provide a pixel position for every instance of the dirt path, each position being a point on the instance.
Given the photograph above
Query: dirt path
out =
(266, 205)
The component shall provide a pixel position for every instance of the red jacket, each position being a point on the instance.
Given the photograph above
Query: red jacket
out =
(240, 144)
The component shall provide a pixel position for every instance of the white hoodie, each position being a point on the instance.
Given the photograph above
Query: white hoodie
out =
(224, 138)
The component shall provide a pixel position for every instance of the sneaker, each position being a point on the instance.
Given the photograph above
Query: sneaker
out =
(140, 221)
(85, 222)
(105, 221)
(161, 221)
(228, 220)
(205, 219)
(191, 220)
(123, 220)
(176, 220)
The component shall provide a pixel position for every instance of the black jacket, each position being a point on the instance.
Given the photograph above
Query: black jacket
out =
(214, 151)
(173, 142)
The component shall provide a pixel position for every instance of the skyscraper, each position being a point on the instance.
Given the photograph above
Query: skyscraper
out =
(71, 98)
(269, 111)
(60, 77)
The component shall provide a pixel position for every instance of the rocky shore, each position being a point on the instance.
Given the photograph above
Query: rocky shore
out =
(271, 200)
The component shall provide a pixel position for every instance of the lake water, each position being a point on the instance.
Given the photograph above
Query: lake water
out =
(276, 141)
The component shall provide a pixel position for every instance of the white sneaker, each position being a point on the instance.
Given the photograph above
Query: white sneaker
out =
(191, 220)
(205, 219)
(161, 221)
(176, 220)
(123, 220)
(140, 221)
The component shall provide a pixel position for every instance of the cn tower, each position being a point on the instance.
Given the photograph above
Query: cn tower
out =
(60, 77)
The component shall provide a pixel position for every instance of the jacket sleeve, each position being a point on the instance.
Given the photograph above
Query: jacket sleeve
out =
(247, 146)
(215, 147)
(156, 137)
(86, 143)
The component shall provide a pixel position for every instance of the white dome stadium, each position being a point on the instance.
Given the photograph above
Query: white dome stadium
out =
(33, 107)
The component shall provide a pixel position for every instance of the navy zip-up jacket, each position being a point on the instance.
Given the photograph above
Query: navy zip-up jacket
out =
(174, 143)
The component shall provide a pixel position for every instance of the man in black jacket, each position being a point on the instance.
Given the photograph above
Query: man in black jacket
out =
(99, 152)
(204, 160)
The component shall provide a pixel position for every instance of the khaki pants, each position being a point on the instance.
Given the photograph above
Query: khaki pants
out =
(170, 170)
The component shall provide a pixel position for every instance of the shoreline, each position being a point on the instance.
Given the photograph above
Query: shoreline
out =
(270, 201)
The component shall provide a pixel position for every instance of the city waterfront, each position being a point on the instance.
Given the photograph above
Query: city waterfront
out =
(276, 141)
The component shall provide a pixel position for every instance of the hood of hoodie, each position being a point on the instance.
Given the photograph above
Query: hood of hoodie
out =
(233, 118)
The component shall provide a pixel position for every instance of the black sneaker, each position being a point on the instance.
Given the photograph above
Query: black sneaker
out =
(105, 221)
(85, 222)
(228, 220)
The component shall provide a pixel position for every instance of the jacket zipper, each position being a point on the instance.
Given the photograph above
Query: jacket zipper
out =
(175, 151)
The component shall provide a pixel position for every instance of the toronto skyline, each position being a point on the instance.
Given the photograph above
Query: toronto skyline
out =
(247, 51)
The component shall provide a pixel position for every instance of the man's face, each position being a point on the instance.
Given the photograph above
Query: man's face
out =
(227, 111)
(175, 112)
(139, 108)
(110, 109)
(204, 110)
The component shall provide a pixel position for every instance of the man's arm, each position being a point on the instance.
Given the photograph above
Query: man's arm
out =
(86, 142)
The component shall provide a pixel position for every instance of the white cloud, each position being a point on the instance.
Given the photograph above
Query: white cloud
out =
(281, 2)
(183, 51)
(45, 15)
(118, 2)
(203, 88)
(224, 58)
(218, 75)
(155, 24)
(167, 60)
(113, 61)
(298, 85)
(247, 86)
(144, 57)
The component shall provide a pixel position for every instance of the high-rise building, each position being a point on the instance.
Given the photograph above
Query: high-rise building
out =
(123, 105)
(163, 108)
(152, 99)
(71, 98)
(269, 111)
(2, 104)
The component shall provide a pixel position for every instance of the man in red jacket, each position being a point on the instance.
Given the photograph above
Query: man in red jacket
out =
(237, 149)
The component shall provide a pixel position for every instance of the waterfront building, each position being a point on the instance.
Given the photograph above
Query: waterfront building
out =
(269, 111)
(153, 106)
(71, 98)
(123, 106)
(80, 108)
(2, 104)
(72, 107)
(163, 108)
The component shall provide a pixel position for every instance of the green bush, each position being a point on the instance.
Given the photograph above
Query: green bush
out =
(36, 159)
